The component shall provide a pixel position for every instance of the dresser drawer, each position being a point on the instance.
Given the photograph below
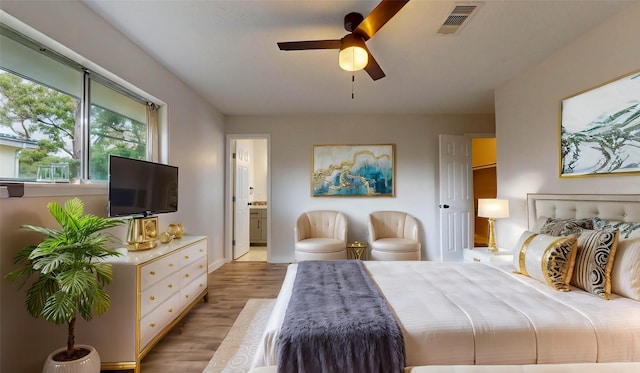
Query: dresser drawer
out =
(156, 271)
(153, 323)
(193, 253)
(190, 291)
(193, 271)
(158, 293)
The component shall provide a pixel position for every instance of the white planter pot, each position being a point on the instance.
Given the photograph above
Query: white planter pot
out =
(87, 364)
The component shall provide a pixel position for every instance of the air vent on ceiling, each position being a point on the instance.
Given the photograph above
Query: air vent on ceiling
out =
(458, 17)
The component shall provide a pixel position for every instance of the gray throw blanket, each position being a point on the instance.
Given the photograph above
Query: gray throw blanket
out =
(337, 321)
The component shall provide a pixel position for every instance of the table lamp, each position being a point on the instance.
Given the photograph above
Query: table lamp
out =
(493, 209)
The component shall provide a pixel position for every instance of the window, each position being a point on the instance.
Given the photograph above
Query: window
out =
(60, 121)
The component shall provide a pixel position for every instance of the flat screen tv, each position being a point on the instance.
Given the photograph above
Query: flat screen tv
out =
(141, 188)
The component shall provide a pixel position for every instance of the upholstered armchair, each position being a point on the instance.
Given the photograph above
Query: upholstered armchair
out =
(320, 235)
(393, 235)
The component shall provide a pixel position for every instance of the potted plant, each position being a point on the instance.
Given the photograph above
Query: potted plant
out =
(69, 276)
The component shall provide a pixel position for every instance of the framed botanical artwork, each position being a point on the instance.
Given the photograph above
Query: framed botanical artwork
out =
(600, 129)
(353, 170)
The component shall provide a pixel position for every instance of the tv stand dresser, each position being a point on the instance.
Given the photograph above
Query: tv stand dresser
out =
(151, 292)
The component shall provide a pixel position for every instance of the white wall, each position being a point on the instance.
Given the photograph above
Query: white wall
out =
(416, 140)
(195, 144)
(527, 118)
(258, 169)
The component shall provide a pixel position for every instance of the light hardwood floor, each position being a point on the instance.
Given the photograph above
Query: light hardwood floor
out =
(189, 346)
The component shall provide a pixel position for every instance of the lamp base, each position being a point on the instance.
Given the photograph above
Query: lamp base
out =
(492, 236)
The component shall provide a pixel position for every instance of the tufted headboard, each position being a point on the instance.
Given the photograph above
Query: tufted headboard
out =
(619, 207)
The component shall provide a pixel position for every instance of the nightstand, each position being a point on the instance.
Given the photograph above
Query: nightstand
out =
(482, 254)
(357, 249)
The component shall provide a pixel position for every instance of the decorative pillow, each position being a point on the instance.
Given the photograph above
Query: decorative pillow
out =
(594, 261)
(627, 229)
(548, 259)
(539, 224)
(625, 275)
(565, 227)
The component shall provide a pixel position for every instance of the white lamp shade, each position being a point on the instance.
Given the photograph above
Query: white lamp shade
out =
(353, 56)
(493, 208)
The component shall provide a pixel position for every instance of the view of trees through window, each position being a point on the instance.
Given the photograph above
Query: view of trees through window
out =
(41, 133)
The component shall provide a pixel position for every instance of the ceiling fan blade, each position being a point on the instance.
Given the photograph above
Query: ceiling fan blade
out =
(378, 17)
(373, 69)
(311, 44)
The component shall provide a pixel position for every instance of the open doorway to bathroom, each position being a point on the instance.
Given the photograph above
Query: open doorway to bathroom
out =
(249, 196)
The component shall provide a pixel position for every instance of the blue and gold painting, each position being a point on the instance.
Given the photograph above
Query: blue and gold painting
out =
(353, 170)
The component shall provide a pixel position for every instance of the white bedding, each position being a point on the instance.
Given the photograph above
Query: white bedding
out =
(476, 313)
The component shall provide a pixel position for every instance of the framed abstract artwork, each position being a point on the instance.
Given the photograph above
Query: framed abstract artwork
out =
(600, 129)
(353, 170)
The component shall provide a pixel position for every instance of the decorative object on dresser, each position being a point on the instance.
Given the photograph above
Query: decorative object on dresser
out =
(176, 230)
(151, 292)
(71, 274)
(493, 209)
(142, 233)
(166, 237)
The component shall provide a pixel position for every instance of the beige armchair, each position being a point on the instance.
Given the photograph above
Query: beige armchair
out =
(393, 235)
(320, 235)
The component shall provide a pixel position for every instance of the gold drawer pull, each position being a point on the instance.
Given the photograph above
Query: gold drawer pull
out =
(153, 325)
(170, 264)
(201, 285)
(170, 310)
(476, 259)
(186, 296)
(152, 273)
(200, 266)
(152, 298)
(186, 256)
(186, 275)
(201, 250)
(170, 286)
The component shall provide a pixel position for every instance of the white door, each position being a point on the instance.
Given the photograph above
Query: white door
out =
(241, 204)
(456, 197)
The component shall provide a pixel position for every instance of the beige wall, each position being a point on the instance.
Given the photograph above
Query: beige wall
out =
(195, 144)
(416, 140)
(527, 117)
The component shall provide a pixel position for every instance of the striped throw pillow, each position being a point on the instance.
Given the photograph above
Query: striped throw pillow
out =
(594, 261)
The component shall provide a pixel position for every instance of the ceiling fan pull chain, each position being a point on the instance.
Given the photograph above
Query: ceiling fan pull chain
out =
(353, 79)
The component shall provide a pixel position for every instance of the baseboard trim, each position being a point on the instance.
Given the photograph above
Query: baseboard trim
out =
(215, 265)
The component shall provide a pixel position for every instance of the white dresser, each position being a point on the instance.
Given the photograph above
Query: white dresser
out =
(150, 292)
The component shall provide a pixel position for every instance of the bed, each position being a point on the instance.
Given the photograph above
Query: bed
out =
(464, 314)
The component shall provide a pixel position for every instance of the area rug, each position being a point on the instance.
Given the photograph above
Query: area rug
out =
(239, 346)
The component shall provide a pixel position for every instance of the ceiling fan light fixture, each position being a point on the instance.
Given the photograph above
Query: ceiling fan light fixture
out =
(353, 55)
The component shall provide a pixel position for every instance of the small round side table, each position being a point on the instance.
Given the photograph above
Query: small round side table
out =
(357, 249)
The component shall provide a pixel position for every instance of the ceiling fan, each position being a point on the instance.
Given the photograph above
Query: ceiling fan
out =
(354, 54)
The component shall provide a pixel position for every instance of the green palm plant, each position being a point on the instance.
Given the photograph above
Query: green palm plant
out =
(70, 272)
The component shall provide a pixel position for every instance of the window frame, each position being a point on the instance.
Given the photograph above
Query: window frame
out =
(39, 42)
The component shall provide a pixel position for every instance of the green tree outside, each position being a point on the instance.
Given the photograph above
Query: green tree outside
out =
(32, 111)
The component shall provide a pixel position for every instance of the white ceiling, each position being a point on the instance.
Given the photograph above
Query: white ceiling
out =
(226, 51)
